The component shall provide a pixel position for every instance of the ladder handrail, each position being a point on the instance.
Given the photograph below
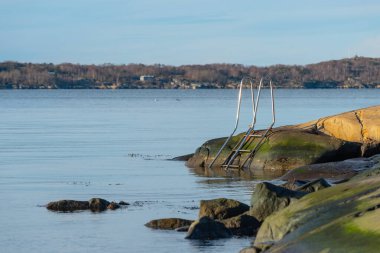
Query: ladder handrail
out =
(238, 114)
(251, 128)
(267, 130)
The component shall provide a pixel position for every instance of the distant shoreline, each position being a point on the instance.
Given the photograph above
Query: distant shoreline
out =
(356, 72)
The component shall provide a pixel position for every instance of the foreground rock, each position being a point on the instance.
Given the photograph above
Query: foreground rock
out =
(221, 208)
(333, 171)
(242, 225)
(208, 229)
(169, 223)
(335, 138)
(268, 198)
(343, 218)
(94, 204)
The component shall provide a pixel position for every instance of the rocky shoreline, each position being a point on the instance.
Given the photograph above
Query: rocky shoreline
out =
(326, 197)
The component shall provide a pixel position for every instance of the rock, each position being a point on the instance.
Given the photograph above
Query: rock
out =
(314, 186)
(372, 170)
(168, 223)
(207, 229)
(268, 198)
(123, 203)
(342, 218)
(68, 205)
(182, 229)
(242, 225)
(182, 157)
(334, 171)
(361, 125)
(330, 139)
(113, 206)
(221, 208)
(249, 250)
(98, 204)
(285, 149)
(293, 185)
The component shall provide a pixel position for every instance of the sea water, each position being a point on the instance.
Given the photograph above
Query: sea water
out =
(116, 145)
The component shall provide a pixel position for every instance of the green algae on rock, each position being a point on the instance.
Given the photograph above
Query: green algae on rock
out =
(343, 218)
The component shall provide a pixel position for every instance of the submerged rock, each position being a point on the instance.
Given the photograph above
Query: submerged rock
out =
(98, 204)
(221, 208)
(268, 198)
(242, 225)
(207, 229)
(94, 204)
(169, 223)
(343, 218)
(68, 205)
(113, 206)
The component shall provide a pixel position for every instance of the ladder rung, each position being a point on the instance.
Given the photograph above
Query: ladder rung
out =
(242, 150)
(256, 135)
(231, 166)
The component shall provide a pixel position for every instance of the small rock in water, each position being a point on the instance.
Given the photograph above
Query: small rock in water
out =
(207, 229)
(113, 206)
(168, 223)
(98, 204)
(68, 205)
(221, 208)
(123, 203)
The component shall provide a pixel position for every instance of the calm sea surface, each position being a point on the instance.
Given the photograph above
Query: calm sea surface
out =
(79, 144)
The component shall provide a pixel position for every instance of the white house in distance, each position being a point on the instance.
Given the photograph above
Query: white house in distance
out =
(146, 78)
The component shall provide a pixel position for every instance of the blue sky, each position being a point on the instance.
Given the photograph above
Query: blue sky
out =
(177, 32)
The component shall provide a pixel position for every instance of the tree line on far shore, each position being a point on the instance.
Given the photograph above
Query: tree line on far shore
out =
(356, 72)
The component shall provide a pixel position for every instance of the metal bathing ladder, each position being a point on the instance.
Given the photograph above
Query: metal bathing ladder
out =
(250, 135)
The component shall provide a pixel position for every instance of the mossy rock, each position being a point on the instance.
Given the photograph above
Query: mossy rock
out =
(343, 218)
(221, 208)
(282, 150)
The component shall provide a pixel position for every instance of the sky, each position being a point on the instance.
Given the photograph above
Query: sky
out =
(179, 32)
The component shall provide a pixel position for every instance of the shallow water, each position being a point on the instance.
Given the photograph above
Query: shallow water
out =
(78, 144)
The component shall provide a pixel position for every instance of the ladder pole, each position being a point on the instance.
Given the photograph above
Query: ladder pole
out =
(272, 98)
(236, 125)
(257, 102)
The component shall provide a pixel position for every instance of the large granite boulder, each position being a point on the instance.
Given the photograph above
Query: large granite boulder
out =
(334, 138)
(221, 208)
(207, 229)
(268, 198)
(283, 150)
(168, 223)
(68, 205)
(242, 225)
(343, 218)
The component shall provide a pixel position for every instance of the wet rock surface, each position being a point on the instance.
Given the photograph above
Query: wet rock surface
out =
(268, 198)
(169, 223)
(94, 204)
(207, 229)
(242, 225)
(68, 205)
(221, 208)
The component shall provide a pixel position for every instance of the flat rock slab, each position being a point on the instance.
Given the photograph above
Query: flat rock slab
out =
(332, 171)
